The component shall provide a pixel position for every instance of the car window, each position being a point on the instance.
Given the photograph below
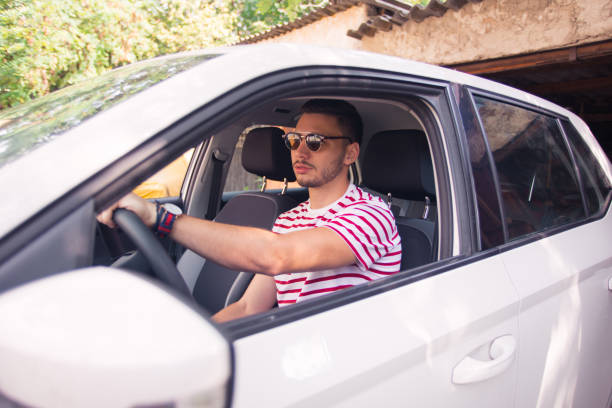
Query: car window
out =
(168, 181)
(595, 184)
(536, 176)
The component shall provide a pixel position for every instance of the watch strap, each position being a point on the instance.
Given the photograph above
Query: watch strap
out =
(164, 221)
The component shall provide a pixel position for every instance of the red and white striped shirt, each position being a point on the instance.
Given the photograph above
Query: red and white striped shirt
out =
(367, 225)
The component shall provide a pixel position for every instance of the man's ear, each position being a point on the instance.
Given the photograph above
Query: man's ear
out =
(351, 154)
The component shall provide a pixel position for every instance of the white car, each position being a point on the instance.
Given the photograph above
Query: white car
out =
(502, 200)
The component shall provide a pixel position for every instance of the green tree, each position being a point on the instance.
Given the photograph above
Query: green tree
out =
(415, 2)
(48, 44)
(256, 16)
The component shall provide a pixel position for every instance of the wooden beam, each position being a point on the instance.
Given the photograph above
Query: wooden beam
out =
(535, 59)
(576, 85)
(597, 117)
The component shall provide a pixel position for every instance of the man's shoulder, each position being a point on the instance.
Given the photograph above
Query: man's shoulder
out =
(357, 198)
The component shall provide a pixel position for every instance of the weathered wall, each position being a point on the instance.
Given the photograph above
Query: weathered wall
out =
(497, 28)
(490, 29)
(329, 31)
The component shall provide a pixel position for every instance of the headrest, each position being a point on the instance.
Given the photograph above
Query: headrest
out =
(398, 162)
(264, 153)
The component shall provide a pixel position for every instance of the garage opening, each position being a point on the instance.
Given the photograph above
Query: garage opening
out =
(578, 78)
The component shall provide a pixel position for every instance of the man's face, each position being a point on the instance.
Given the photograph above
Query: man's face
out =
(314, 169)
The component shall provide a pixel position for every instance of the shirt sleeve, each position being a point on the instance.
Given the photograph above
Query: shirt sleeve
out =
(368, 229)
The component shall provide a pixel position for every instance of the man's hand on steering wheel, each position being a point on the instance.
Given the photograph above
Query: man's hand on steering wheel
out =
(136, 223)
(145, 210)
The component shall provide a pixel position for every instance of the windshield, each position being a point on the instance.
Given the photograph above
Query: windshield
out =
(27, 126)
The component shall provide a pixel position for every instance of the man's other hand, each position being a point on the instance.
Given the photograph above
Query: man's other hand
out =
(144, 209)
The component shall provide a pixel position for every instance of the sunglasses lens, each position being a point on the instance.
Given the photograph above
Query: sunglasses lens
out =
(292, 141)
(314, 142)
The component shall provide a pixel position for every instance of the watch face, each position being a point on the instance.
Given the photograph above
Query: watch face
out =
(173, 208)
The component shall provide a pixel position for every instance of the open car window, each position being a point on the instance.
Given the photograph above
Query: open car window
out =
(168, 181)
(406, 182)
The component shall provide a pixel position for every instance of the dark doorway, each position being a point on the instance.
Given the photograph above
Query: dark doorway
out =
(577, 78)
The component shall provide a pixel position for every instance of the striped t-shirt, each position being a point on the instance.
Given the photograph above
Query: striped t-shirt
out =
(367, 225)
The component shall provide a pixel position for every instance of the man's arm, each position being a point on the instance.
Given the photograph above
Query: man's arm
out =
(246, 248)
(259, 296)
(262, 251)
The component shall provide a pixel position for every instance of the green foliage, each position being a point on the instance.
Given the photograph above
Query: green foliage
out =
(256, 16)
(415, 2)
(48, 44)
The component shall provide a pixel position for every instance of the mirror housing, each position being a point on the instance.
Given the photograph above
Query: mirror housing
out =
(101, 337)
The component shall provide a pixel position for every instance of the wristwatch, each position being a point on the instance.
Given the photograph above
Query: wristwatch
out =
(166, 216)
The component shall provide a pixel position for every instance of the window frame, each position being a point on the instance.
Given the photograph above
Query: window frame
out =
(606, 202)
(508, 244)
(350, 82)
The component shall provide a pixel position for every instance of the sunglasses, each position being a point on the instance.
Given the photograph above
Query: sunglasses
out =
(313, 140)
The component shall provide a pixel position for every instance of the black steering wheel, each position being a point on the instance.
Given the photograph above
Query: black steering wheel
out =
(163, 267)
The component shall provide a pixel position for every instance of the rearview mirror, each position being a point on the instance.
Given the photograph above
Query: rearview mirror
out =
(101, 337)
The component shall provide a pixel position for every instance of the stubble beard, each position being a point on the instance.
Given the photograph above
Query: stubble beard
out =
(327, 174)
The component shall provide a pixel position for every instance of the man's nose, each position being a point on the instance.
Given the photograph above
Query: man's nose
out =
(302, 150)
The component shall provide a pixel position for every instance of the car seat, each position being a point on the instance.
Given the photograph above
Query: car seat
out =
(398, 164)
(265, 155)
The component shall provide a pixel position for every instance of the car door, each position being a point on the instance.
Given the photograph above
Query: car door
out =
(438, 335)
(404, 346)
(554, 198)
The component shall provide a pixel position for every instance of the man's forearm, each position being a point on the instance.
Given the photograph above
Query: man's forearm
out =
(231, 312)
(235, 247)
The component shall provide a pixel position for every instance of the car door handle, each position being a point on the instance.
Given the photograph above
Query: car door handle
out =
(471, 370)
(610, 284)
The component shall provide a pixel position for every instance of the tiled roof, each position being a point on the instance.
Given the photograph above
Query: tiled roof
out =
(382, 15)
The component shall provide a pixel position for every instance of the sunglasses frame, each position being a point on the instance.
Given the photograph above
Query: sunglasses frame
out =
(305, 135)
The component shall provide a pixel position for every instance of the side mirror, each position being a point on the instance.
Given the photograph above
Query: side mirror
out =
(100, 337)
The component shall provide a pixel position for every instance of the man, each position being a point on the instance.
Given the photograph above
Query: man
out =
(340, 237)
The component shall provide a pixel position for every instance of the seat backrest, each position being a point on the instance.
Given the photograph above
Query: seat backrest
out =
(264, 154)
(398, 162)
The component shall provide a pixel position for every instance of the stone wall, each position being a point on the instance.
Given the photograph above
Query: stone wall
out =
(490, 29)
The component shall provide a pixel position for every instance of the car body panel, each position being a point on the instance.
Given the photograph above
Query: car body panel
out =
(566, 316)
(391, 349)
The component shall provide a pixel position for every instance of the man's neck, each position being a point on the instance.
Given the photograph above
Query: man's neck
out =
(327, 193)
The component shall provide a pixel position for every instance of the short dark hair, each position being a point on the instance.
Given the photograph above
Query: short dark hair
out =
(349, 119)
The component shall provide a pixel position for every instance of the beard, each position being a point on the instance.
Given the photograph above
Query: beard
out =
(328, 173)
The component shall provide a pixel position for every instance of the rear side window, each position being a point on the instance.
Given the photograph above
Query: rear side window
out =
(539, 187)
(595, 183)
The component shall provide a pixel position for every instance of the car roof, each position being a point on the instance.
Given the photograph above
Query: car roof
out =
(52, 169)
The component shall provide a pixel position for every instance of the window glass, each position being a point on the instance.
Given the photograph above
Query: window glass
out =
(595, 183)
(168, 181)
(37, 122)
(536, 174)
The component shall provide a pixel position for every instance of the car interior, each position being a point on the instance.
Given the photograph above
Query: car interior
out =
(242, 175)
